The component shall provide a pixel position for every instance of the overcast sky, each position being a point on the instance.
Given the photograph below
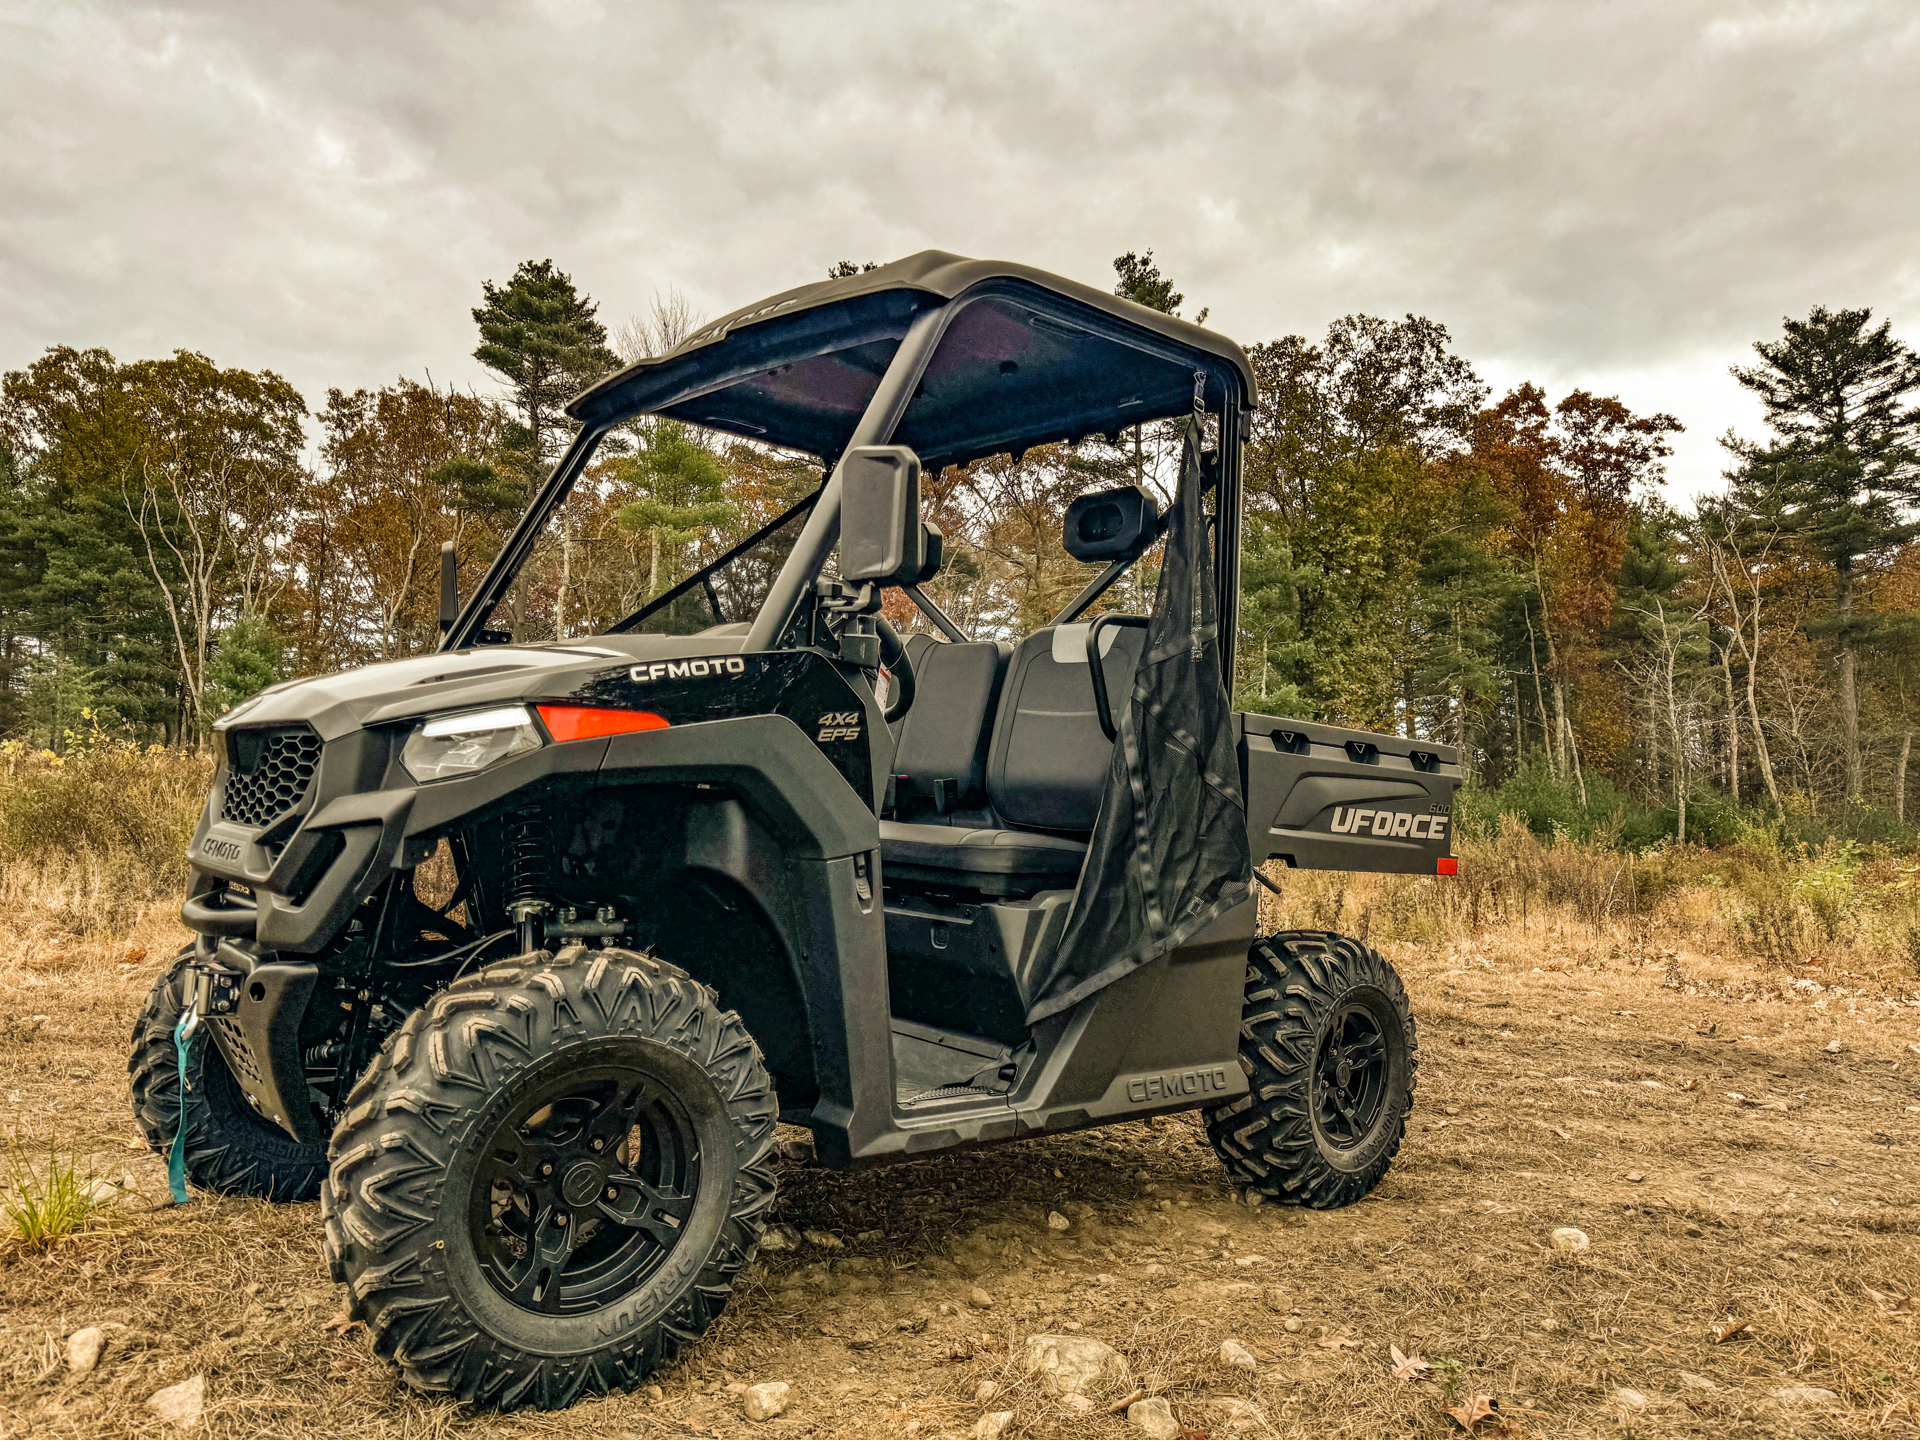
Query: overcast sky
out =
(1622, 196)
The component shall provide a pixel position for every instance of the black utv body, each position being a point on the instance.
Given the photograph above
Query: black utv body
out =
(749, 856)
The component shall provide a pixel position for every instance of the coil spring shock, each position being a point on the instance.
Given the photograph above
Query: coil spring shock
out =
(527, 876)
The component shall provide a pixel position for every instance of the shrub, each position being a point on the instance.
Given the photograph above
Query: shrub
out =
(111, 799)
(48, 1206)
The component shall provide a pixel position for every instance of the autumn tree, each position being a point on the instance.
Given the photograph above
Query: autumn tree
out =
(407, 467)
(217, 463)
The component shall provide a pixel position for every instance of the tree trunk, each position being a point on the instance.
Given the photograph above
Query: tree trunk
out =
(1850, 716)
(1734, 729)
(1548, 738)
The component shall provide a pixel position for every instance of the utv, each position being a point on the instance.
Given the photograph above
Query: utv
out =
(748, 856)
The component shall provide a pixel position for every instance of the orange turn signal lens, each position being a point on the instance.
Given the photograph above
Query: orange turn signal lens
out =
(585, 723)
(1447, 866)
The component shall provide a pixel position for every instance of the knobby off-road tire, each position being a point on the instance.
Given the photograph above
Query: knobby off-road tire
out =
(231, 1148)
(548, 1179)
(1327, 1042)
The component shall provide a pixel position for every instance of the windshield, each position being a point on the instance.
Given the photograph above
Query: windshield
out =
(727, 590)
(665, 529)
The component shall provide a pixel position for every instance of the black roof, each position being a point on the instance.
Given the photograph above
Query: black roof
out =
(1029, 358)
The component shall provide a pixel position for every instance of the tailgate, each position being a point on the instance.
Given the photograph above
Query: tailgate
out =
(1330, 799)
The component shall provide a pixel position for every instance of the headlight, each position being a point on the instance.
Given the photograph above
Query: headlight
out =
(458, 745)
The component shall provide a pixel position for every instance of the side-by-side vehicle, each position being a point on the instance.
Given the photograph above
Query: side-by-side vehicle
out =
(515, 953)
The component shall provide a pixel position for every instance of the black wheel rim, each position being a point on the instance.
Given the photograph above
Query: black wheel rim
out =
(1351, 1074)
(584, 1190)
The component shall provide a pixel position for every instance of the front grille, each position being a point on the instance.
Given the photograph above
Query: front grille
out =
(268, 773)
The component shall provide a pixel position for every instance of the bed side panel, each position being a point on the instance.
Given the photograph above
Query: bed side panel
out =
(1326, 798)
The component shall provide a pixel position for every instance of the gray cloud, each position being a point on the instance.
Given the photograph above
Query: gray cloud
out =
(1622, 195)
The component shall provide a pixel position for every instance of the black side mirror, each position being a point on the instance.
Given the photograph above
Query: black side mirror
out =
(881, 541)
(449, 587)
(932, 548)
(1111, 524)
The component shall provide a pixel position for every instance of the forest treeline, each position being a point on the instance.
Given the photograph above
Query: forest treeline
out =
(1502, 573)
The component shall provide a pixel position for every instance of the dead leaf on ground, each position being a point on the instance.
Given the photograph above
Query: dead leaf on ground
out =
(341, 1324)
(1476, 1409)
(342, 1366)
(1334, 1343)
(1733, 1329)
(1406, 1368)
(134, 957)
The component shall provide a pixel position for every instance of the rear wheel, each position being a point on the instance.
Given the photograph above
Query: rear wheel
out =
(546, 1183)
(1327, 1041)
(231, 1148)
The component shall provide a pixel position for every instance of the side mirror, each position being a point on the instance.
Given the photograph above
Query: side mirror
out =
(1111, 524)
(449, 587)
(932, 548)
(880, 530)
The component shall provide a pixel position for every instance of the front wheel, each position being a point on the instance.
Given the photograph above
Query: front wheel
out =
(547, 1181)
(1327, 1041)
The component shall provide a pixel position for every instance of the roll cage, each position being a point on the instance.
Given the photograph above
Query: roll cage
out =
(956, 358)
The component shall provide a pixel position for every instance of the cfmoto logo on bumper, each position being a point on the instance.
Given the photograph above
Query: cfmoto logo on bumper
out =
(1400, 824)
(220, 850)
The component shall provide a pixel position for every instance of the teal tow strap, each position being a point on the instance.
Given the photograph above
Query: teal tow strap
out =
(177, 1157)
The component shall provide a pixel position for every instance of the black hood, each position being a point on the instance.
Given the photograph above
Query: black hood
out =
(335, 705)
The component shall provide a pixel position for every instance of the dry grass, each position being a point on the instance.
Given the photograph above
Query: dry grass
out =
(1551, 982)
(1833, 910)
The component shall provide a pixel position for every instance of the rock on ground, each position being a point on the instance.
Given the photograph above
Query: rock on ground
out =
(84, 1347)
(1078, 1404)
(1806, 1396)
(1696, 1382)
(1628, 1397)
(980, 1298)
(992, 1426)
(182, 1404)
(1067, 1364)
(1567, 1238)
(780, 1237)
(985, 1392)
(1153, 1418)
(1234, 1354)
(1057, 1222)
(765, 1401)
(1244, 1416)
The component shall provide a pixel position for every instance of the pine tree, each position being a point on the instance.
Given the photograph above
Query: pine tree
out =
(682, 497)
(539, 335)
(1844, 464)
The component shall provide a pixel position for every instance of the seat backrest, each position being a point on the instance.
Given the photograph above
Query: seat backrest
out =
(942, 755)
(1048, 761)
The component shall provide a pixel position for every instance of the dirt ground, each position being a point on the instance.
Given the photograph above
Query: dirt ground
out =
(1740, 1148)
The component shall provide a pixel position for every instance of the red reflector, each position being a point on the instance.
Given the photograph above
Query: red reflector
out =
(584, 723)
(1447, 866)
